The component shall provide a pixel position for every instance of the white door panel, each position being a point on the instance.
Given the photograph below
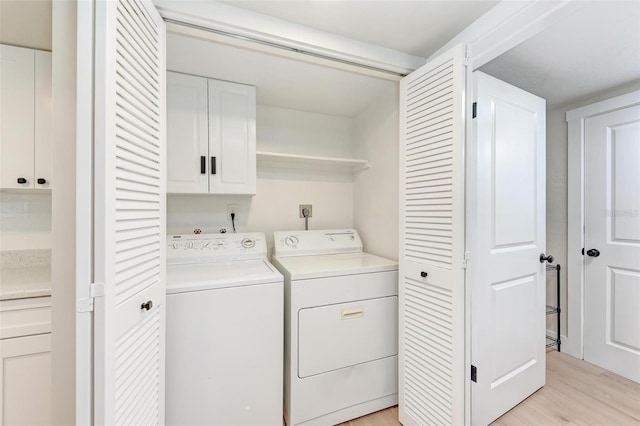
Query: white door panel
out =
(507, 234)
(431, 288)
(129, 213)
(187, 134)
(612, 226)
(232, 138)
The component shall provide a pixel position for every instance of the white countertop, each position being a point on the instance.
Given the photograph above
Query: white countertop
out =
(20, 283)
(25, 273)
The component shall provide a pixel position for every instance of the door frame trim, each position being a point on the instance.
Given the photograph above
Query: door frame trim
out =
(575, 213)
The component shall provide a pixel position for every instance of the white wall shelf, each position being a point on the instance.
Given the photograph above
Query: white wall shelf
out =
(278, 159)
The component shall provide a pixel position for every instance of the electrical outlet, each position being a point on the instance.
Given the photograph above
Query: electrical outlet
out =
(306, 206)
(231, 208)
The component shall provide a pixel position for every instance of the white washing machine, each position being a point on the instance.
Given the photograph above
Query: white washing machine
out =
(224, 331)
(341, 327)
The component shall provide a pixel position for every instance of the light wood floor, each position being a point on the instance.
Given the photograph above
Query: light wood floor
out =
(576, 393)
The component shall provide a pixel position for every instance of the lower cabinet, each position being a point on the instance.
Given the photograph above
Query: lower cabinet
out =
(25, 394)
(25, 362)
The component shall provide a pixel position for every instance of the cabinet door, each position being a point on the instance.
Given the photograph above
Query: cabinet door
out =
(232, 138)
(25, 380)
(16, 117)
(187, 140)
(43, 128)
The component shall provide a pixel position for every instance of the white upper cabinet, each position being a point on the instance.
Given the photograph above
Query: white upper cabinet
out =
(211, 136)
(187, 139)
(25, 118)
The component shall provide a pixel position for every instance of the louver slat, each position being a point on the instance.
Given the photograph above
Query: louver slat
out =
(432, 241)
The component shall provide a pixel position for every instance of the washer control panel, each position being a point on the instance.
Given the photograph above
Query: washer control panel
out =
(190, 248)
(304, 243)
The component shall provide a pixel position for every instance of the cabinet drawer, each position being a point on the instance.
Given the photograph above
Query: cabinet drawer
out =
(24, 317)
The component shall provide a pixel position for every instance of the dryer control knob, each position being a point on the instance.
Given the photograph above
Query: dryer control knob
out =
(291, 241)
(248, 242)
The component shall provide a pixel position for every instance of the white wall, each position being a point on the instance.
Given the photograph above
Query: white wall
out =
(63, 218)
(280, 191)
(25, 220)
(557, 191)
(299, 132)
(376, 189)
(26, 23)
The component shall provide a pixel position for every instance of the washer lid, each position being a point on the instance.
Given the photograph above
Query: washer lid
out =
(331, 265)
(211, 275)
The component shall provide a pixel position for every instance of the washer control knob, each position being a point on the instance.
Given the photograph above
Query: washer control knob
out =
(175, 246)
(291, 241)
(248, 242)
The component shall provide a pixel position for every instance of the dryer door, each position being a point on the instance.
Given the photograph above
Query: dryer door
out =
(345, 334)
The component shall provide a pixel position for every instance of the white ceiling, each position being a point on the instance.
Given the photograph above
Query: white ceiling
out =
(416, 27)
(596, 49)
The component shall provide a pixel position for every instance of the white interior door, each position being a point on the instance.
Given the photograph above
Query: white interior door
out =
(612, 241)
(431, 288)
(506, 223)
(129, 213)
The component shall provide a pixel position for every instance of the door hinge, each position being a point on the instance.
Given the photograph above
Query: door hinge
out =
(465, 261)
(474, 374)
(474, 110)
(86, 304)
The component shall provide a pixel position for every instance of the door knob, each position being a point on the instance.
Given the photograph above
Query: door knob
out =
(42, 181)
(146, 306)
(21, 180)
(423, 274)
(593, 252)
(545, 258)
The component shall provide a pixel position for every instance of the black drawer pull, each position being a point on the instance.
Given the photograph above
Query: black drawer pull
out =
(22, 180)
(213, 165)
(42, 181)
(203, 164)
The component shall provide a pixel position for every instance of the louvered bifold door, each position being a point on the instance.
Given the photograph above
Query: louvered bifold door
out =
(130, 213)
(432, 301)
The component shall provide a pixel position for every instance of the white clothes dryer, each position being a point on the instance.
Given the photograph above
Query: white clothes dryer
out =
(224, 331)
(341, 327)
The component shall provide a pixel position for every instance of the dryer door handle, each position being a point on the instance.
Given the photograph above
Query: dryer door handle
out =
(352, 313)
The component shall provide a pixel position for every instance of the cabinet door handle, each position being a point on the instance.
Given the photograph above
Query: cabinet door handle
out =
(213, 165)
(203, 164)
(42, 181)
(22, 180)
(146, 306)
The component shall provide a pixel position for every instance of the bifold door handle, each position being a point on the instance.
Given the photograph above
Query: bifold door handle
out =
(213, 165)
(146, 306)
(203, 164)
(545, 258)
(593, 252)
(423, 274)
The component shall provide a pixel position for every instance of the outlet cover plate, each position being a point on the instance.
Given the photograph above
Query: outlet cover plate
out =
(305, 206)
